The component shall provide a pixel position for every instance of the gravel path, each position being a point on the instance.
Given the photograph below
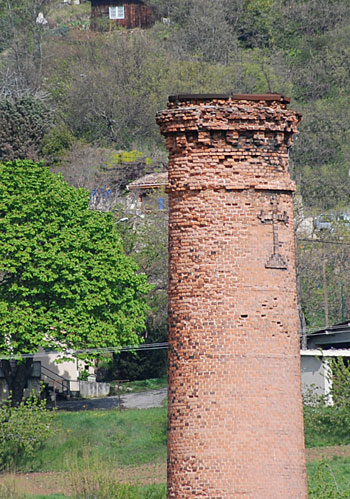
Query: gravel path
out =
(140, 400)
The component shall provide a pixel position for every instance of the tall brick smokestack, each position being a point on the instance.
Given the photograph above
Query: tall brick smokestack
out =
(235, 410)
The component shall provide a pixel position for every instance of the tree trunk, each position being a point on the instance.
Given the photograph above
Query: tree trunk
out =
(16, 374)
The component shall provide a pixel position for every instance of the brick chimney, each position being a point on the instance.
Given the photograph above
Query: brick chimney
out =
(235, 408)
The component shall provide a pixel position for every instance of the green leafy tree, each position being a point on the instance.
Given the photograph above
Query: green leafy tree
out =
(66, 283)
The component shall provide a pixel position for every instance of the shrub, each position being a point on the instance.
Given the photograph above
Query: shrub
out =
(340, 382)
(58, 140)
(23, 123)
(23, 429)
(326, 426)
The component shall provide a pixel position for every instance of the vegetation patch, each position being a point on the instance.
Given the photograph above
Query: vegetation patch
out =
(329, 479)
(118, 438)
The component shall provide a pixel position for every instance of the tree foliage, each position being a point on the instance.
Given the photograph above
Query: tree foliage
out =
(66, 283)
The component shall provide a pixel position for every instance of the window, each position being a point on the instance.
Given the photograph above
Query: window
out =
(117, 12)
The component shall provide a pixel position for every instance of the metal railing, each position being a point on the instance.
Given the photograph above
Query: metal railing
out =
(58, 382)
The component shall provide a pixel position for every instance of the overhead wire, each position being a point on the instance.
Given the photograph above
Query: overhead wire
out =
(74, 353)
(145, 347)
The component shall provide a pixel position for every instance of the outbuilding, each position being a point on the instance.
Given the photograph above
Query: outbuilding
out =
(129, 14)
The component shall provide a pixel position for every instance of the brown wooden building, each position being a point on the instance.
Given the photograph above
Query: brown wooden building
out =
(106, 14)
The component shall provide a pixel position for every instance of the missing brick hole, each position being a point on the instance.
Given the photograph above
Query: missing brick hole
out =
(244, 316)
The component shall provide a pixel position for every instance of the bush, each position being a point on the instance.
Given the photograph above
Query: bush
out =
(326, 426)
(23, 123)
(340, 382)
(58, 140)
(23, 429)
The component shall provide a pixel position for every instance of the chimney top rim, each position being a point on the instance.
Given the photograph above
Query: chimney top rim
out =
(272, 96)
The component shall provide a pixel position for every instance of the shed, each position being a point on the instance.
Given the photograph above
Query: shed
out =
(125, 13)
(143, 189)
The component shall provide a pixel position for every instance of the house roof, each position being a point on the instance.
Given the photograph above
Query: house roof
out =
(151, 181)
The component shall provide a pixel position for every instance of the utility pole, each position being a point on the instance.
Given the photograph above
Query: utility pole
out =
(325, 292)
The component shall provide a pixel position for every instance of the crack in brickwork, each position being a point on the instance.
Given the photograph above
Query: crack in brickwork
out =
(235, 412)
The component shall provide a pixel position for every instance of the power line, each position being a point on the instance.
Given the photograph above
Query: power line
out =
(72, 353)
(144, 347)
(326, 241)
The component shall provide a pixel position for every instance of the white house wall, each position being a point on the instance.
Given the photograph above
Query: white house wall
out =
(315, 376)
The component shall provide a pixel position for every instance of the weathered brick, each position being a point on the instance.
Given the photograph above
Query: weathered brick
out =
(235, 412)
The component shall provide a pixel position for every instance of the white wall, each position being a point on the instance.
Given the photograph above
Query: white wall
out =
(315, 371)
(68, 369)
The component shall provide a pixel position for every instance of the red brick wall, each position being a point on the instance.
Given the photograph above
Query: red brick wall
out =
(235, 412)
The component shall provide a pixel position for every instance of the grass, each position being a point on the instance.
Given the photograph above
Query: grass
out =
(124, 438)
(94, 444)
(329, 478)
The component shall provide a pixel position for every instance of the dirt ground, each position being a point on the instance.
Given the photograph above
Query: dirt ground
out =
(59, 483)
(318, 453)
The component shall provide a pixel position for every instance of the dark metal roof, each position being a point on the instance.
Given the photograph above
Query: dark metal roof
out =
(336, 328)
(336, 336)
(184, 97)
(253, 97)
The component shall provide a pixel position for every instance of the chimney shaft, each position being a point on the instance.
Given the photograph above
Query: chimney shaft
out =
(235, 408)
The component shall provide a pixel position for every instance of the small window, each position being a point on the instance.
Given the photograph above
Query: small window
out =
(117, 12)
